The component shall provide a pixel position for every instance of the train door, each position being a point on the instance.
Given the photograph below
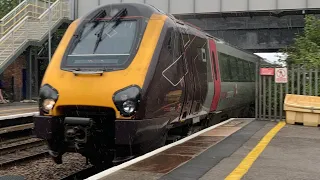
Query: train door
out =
(199, 56)
(215, 75)
(188, 79)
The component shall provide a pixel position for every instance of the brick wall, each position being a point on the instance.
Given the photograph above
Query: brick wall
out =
(15, 71)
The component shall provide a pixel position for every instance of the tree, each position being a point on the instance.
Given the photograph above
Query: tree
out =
(306, 47)
(6, 6)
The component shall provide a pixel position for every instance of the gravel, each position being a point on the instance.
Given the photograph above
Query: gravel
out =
(45, 168)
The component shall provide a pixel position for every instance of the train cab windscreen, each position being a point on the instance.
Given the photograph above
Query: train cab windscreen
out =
(107, 44)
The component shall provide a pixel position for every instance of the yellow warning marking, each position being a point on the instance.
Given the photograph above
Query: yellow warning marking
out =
(247, 162)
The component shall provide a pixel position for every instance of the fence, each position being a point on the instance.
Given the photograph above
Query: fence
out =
(274, 82)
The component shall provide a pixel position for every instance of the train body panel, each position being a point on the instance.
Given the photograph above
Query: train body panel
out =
(126, 74)
(215, 71)
(165, 93)
(237, 71)
(234, 95)
(87, 89)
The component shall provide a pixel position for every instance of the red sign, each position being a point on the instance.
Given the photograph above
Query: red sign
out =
(267, 71)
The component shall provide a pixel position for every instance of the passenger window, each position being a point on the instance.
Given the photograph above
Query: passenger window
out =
(253, 71)
(240, 70)
(247, 71)
(234, 68)
(225, 67)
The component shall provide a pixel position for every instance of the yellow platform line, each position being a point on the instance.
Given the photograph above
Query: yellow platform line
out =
(247, 162)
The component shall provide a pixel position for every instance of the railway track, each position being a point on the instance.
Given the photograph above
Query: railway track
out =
(17, 144)
(13, 129)
(21, 150)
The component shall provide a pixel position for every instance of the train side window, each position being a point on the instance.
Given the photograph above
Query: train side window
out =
(240, 70)
(234, 68)
(177, 46)
(253, 71)
(228, 68)
(247, 71)
(224, 67)
(202, 55)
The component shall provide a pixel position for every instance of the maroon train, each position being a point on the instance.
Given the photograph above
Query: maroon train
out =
(127, 77)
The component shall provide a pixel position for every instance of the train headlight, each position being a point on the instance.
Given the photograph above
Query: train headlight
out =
(127, 100)
(48, 104)
(48, 98)
(129, 107)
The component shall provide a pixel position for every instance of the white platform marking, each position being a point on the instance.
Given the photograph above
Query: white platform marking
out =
(14, 116)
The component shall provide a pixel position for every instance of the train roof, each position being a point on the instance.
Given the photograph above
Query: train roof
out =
(218, 40)
(147, 9)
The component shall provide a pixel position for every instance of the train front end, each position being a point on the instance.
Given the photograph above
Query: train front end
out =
(91, 98)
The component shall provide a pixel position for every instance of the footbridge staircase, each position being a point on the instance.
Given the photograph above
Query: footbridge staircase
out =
(28, 25)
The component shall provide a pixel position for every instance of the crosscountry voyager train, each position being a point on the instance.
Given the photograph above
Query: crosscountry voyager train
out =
(126, 77)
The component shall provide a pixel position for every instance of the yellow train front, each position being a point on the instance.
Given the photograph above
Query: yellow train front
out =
(95, 98)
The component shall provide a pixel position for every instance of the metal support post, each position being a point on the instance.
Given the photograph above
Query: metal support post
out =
(29, 74)
(49, 31)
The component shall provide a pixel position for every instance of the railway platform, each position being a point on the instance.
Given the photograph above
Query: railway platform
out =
(11, 109)
(234, 149)
(17, 117)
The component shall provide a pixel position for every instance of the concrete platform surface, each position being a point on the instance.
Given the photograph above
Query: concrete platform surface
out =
(17, 108)
(166, 163)
(293, 153)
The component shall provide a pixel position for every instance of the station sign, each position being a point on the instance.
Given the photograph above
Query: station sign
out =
(267, 71)
(281, 75)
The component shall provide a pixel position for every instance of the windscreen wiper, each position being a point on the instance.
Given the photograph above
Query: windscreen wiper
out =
(121, 13)
(100, 14)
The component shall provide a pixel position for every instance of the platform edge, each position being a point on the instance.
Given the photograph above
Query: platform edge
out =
(147, 155)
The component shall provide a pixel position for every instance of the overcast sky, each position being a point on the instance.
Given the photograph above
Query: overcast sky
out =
(272, 57)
